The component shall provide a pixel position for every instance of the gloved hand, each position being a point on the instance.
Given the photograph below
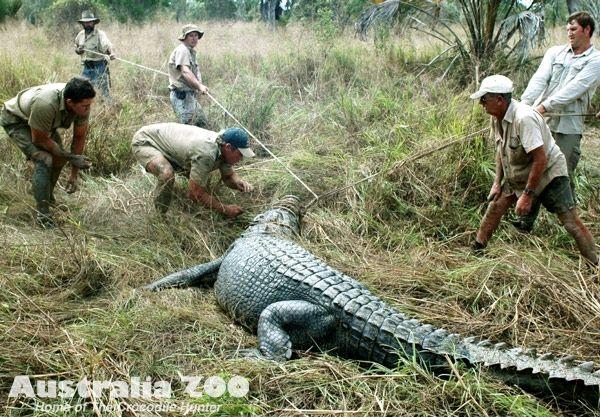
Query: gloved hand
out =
(80, 161)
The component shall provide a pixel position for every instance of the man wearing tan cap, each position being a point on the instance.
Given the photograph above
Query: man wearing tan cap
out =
(529, 167)
(166, 148)
(185, 79)
(93, 45)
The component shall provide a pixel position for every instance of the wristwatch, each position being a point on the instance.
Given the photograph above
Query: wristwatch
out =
(529, 191)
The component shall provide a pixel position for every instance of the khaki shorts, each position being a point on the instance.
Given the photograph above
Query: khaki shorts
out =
(19, 133)
(143, 152)
(557, 196)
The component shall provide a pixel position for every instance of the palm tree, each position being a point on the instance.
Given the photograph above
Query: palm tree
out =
(488, 31)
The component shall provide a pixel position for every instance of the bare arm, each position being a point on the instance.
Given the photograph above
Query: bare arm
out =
(533, 180)
(198, 194)
(234, 182)
(42, 140)
(77, 146)
(191, 79)
(496, 190)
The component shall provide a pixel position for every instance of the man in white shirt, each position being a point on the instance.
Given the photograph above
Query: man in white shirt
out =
(565, 83)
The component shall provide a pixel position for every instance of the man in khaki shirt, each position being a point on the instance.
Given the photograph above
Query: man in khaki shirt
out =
(185, 79)
(90, 43)
(529, 167)
(165, 148)
(31, 120)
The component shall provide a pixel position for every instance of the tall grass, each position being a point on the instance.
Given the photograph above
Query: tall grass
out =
(334, 112)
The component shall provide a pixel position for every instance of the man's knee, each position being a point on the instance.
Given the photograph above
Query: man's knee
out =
(162, 169)
(167, 175)
(571, 222)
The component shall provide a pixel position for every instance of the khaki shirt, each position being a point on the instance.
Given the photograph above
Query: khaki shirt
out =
(96, 41)
(189, 148)
(525, 130)
(182, 55)
(43, 108)
(565, 83)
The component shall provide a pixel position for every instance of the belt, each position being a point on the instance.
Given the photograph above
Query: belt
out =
(91, 64)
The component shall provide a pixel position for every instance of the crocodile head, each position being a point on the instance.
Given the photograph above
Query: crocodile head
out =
(283, 219)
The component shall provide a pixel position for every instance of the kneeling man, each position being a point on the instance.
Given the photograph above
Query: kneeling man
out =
(32, 120)
(166, 148)
(529, 166)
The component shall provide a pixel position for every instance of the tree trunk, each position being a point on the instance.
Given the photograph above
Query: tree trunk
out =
(573, 6)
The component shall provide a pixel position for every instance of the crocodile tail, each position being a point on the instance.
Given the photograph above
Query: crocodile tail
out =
(203, 274)
(382, 335)
(539, 373)
(562, 376)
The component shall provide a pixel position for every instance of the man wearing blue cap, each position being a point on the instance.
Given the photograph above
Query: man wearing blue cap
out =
(166, 148)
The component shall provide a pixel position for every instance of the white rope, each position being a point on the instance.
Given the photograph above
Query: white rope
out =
(568, 114)
(262, 145)
(226, 112)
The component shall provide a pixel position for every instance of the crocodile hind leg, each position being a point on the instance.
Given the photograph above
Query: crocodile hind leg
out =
(295, 322)
(203, 274)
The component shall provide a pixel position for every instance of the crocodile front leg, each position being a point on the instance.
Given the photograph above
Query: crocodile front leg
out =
(294, 322)
(203, 274)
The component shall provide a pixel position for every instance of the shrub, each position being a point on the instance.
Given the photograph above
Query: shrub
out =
(9, 8)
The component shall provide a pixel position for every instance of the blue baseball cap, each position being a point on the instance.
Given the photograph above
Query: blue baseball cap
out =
(239, 138)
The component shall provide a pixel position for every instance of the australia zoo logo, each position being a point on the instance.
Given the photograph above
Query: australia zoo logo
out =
(136, 387)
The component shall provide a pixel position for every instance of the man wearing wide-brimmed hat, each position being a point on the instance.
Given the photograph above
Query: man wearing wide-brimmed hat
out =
(94, 46)
(185, 78)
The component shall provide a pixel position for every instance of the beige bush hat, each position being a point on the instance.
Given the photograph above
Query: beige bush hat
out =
(88, 16)
(189, 29)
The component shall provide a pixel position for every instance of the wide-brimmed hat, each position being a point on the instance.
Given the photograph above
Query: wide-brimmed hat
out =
(238, 138)
(88, 16)
(189, 29)
(498, 84)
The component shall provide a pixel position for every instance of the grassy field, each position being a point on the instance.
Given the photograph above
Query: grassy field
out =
(335, 110)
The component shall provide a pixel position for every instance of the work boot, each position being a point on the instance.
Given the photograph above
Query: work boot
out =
(478, 249)
(42, 189)
(45, 221)
(162, 197)
(522, 226)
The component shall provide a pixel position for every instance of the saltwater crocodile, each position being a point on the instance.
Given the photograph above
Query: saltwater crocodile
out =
(290, 298)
